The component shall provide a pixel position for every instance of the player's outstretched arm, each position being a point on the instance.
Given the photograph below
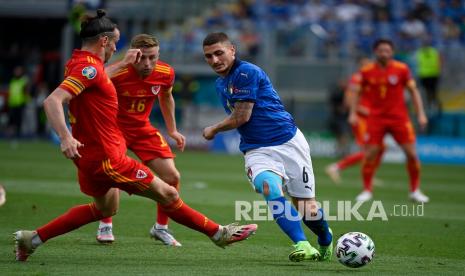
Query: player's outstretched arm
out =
(132, 56)
(418, 104)
(240, 115)
(53, 106)
(167, 107)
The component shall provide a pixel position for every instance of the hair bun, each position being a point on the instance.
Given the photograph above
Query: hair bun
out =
(101, 13)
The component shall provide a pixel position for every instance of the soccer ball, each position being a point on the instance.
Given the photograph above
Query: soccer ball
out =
(355, 249)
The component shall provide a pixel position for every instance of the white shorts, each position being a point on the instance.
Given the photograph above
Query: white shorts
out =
(290, 160)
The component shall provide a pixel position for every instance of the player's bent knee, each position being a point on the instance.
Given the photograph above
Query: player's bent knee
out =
(269, 184)
(173, 179)
(169, 195)
(411, 154)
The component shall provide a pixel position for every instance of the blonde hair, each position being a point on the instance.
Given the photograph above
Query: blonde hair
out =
(144, 41)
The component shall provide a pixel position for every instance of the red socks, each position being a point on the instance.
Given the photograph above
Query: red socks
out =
(368, 171)
(83, 214)
(76, 217)
(162, 217)
(185, 215)
(108, 220)
(369, 168)
(350, 160)
(413, 169)
(354, 158)
(379, 157)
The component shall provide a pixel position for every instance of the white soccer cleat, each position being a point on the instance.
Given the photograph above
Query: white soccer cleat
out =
(2, 195)
(418, 196)
(234, 232)
(23, 244)
(105, 234)
(333, 172)
(164, 236)
(364, 196)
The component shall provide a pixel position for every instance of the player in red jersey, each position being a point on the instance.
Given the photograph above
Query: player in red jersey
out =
(137, 86)
(98, 149)
(382, 86)
(359, 130)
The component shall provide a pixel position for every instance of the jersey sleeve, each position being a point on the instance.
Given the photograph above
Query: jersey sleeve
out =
(80, 77)
(354, 83)
(245, 86)
(408, 75)
(363, 80)
(171, 77)
(168, 83)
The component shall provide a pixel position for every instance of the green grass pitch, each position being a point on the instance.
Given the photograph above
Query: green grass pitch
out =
(41, 184)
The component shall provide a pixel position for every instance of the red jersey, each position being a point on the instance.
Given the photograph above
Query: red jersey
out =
(136, 96)
(94, 107)
(383, 89)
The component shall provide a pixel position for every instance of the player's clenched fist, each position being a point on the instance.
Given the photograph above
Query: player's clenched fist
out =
(209, 133)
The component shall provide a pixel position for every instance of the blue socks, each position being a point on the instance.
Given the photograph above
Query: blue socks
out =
(269, 184)
(320, 228)
(290, 225)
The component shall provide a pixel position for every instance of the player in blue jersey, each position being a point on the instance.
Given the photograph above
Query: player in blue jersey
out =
(277, 155)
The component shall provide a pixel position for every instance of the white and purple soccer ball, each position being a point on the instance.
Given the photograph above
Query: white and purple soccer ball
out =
(355, 249)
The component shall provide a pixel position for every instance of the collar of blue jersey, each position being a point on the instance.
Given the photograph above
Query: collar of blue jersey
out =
(234, 66)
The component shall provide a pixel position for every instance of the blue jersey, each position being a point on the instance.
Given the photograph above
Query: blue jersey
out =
(269, 124)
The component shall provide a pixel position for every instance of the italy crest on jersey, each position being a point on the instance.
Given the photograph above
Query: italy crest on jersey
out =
(230, 88)
(89, 72)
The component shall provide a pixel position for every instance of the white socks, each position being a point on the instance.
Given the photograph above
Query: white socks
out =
(160, 226)
(103, 224)
(36, 241)
(217, 235)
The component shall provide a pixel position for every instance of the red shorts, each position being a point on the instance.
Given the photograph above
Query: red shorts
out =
(97, 177)
(401, 130)
(360, 130)
(149, 145)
